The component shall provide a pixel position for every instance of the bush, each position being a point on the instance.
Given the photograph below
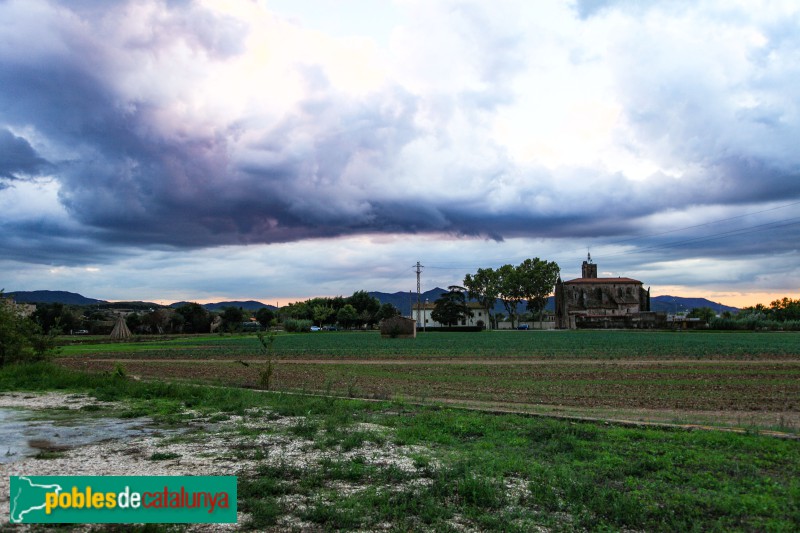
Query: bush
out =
(754, 323)
(21, 339)
(297, 325)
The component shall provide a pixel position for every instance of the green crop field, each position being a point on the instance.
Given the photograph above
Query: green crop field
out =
(743, 379)
(496, 344)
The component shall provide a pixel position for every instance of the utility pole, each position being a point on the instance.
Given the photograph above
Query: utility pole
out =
(419, 271)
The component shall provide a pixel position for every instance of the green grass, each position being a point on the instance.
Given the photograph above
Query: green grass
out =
(618, 477)
(572, 475)
(164, 456)
(49, 454)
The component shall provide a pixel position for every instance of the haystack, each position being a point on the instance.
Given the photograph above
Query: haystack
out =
(120, 331)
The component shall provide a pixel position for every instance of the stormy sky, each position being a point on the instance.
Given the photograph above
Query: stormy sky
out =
(279, 150)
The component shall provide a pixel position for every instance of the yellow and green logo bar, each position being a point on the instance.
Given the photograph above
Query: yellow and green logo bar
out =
(122, 499)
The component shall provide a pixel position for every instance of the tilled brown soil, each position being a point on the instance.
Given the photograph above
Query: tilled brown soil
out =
(751, 392)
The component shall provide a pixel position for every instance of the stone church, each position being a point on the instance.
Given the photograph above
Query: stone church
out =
(592, 302)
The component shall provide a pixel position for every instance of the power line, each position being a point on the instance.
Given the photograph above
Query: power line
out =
(741, 231)
(716, 236)
(709, 223)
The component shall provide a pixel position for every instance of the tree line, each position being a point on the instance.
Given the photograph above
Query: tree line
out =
(358, 310)
(782, 314)
(532, 281)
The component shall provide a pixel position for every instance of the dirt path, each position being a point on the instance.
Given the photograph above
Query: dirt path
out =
(728, 421)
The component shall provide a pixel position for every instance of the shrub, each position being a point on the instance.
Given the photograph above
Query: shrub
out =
(21, 339)
(293, 325)
(754, 323)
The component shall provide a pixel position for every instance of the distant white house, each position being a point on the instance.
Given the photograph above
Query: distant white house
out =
(24, 310)
(423, 318)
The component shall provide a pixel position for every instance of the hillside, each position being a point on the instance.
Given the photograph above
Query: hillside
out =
(402, 300)
(248, 305)
(669, 304)
(665, 304)
(52, 297)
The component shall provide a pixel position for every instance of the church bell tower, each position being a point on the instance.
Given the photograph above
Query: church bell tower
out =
(589, 269)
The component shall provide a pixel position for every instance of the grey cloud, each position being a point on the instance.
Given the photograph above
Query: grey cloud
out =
(18, 159)
(51, 242)
(327, 168)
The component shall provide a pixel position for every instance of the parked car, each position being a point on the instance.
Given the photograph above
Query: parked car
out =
(316, 328)
(523, 326)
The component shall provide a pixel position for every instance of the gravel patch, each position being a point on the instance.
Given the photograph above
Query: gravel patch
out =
(235, 446)
(49, 400)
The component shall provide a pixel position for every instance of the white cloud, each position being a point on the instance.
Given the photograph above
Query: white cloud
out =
(201, 126)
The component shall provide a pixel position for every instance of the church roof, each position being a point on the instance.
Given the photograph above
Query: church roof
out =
(602, 280)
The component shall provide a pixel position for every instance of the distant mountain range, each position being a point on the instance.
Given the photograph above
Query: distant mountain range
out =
(404, 301)
(248, 305)
(671, 304)
(665, 304)
(52, 297)
(71, 298)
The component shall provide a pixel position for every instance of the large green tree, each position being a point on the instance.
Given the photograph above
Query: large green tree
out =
(232, 318)
(785, 309)
(347, 316)
(297, 310)
(387, 310)
(511, 291)
(265, 315)
(134, 322)
(538, 280)
(365, 305)
(157, 320)
(532, 280)
(196, 318)
(483, 287)
(322, 313)
(451, 307)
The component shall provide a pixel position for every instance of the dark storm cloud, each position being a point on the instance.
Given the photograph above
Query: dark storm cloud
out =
(330, 165)
(18, 159)
(47, 244)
